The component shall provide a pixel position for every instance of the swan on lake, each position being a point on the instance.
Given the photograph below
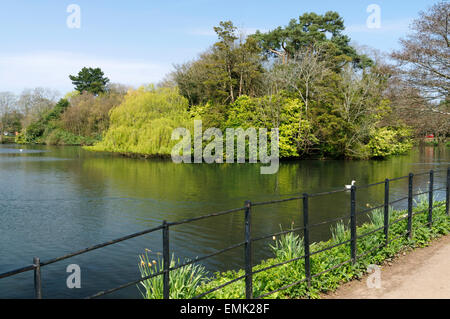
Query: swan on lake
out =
(350, 186)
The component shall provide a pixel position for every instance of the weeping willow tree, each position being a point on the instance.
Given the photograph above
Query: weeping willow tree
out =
(144, 122)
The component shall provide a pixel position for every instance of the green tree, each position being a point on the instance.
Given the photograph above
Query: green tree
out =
(47, 121)
(90, 80)
(311, 28)
(143, 123)
(88, 115)
(12, 121)
(231, 68)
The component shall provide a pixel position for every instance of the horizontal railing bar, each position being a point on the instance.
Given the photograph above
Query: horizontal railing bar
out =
(395, 238)
(398, 220)
(277, 201)
(371, 250)
(17, 271)
(434, 171)
(278, 234)
(440, 170)
(332, 268)
(219, 287)
(398, 178)
(398, 200)
(436, 219)
(208, 256)
(330, 247)
(190, 220)
(102, 293)
(420, 212)
(418, 194)
(115, 241)
(370, 233)
(329, 221)
(427, 209)
(278, 265)
(369, 185)
(328, 193)
(421, 174)
(282, 288)
(369, 209)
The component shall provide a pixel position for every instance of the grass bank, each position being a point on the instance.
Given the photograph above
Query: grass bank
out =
(290, 246)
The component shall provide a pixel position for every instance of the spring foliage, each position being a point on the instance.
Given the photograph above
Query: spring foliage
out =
(144, 122)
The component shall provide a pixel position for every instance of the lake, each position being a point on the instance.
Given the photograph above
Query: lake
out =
(56, 200)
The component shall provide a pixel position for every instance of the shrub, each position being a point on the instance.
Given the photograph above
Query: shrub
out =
(288, 247)
(88, 115)
(183, 281)
(144, 122)
(388, 141)
(61, 137)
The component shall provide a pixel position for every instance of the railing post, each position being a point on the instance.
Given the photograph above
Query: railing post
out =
(248, 252)
(306, 239)
(410, 204)
(353, 224)
(37, 278)
(430, 200)
(447, 206)
(386, 211)
(166, 261)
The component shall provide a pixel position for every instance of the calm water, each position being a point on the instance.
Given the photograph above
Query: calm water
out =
(55, 200)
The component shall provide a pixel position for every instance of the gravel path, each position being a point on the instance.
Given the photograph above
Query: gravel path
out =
(420, 274)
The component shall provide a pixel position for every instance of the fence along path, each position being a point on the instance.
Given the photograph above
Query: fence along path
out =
(248, 239)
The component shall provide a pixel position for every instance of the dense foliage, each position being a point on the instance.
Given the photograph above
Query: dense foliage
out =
(144, 122)
(79, 120)
(285, 42)
(326, 99)
(90, 80)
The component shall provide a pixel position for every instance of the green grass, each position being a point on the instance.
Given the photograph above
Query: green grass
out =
(290, 246)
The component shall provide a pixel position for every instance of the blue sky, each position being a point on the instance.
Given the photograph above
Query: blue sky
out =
(137, 42)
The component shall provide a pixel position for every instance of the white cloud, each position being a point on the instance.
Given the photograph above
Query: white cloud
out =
(52, 70)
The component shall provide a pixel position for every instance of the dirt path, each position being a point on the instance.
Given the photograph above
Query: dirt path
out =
(422, 273)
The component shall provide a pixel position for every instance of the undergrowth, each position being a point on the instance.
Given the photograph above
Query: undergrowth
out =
(290, 246)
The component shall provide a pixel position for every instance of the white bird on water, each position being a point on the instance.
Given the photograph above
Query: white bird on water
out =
(21, 150)
(350, 186)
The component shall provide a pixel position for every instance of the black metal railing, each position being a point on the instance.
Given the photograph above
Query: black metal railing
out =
(249, 240)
